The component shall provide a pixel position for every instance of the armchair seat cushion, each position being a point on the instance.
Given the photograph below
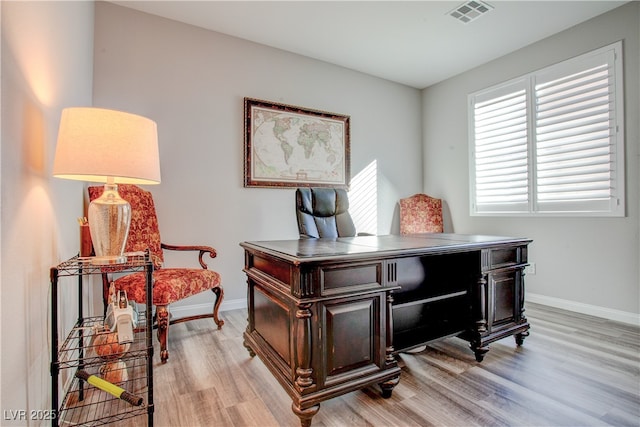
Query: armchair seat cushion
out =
(169, 284)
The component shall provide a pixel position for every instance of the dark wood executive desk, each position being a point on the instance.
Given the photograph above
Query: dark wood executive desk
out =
(326, 316)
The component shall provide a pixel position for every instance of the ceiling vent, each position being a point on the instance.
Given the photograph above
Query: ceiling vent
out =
(470, 11)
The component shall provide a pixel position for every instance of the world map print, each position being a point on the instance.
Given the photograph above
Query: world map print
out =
(295, 147)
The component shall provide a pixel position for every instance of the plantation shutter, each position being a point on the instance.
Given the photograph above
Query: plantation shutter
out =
(576, 136)
(500, 159)
(551, 142)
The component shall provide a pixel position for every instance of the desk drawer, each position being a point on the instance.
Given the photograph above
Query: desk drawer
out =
(343, 278)
(503, 257)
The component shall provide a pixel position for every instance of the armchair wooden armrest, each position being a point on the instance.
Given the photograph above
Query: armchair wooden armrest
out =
(202, 250)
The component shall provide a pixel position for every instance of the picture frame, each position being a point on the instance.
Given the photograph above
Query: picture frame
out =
(291, 146)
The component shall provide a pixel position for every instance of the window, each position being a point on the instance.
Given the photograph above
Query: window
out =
(551, 142)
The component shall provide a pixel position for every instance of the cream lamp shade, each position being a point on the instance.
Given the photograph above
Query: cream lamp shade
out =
(95, 144)
(113, 147)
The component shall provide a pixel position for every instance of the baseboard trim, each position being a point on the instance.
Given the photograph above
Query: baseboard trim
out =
(196, 309)
(592, 310)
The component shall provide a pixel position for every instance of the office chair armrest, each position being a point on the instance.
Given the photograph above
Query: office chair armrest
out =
(202, 250)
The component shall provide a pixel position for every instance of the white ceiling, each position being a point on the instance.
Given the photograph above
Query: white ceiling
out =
(415, 43)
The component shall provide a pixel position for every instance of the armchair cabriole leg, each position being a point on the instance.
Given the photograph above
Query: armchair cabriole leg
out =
(219, 292)
(162, 317)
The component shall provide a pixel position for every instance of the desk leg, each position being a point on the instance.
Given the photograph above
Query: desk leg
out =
(479, 351)
(387, 386)
(306, 414)
(248, 347)
(250, 320)
(520, 337)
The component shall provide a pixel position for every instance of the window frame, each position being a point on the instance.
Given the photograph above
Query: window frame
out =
(615, 206)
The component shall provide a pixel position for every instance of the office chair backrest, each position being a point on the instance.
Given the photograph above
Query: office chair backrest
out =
(323, 212)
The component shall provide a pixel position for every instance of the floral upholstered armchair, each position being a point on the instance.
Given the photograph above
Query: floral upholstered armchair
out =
(169, 284)
(420, 214)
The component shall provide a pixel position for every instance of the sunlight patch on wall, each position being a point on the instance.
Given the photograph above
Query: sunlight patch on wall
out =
(363, 199)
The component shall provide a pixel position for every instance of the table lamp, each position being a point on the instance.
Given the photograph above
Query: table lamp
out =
(113, 147)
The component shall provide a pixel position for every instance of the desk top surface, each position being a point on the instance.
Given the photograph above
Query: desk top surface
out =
(314, 249)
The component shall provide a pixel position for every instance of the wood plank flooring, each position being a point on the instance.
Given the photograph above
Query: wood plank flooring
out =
(573, 370)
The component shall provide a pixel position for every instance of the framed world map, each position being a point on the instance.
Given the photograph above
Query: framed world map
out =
(289, 146)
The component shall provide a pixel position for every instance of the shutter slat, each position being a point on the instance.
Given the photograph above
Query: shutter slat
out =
(574, 171)
(576, 111)
(573, 126)
(568, 103)
(572, 179)
(518, 137)
(587, 91)
(575, 139)
(573, 79)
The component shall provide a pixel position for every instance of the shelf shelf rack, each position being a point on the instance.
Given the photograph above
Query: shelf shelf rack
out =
(83, 404)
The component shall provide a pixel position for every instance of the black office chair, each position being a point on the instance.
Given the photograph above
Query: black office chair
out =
(323, 212)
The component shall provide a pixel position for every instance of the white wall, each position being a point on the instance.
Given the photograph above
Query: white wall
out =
(192, 83)
(585, 264)
(47, 56)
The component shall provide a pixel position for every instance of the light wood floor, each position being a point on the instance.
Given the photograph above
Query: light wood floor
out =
(573, 370)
